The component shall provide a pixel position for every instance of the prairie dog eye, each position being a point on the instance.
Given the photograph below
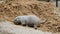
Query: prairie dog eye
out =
(17, 23)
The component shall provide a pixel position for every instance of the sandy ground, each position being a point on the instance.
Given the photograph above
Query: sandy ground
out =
(45, 10)
(7, 28)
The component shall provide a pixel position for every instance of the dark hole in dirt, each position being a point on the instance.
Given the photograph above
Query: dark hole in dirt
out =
(38, 26)
(58, 27)
(9, 4)
(54, 25)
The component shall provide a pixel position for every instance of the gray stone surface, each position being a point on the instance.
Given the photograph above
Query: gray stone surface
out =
(7, 28)
(54, 3)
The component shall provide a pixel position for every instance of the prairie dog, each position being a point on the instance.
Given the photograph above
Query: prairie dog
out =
(30, 20)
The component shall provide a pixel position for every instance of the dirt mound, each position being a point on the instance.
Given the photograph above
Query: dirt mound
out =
(44, 10)
(15, 8)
